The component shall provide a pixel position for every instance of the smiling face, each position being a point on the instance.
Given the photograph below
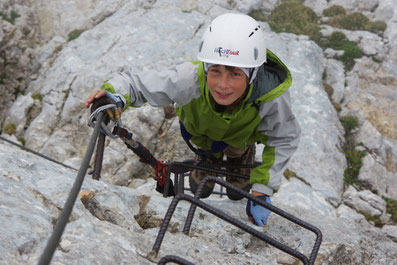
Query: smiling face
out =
(226, 84)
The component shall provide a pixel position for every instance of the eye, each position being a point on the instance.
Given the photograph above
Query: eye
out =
(236, 74)
(214, 70)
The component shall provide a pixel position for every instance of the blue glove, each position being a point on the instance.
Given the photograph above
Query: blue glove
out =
(256, 213)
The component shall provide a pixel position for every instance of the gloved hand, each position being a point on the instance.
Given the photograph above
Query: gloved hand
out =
(256, 213)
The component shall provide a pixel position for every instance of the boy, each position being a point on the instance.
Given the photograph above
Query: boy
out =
(234, 96)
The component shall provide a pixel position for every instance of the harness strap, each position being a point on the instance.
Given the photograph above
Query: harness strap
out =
(216, 147)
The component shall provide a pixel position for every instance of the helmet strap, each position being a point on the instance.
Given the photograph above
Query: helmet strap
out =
(252, 75)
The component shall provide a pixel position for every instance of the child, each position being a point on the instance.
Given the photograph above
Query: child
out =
(233, 97)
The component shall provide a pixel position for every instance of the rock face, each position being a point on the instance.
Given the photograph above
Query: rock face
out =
(112, 224)
(18, 40)
(52, 75)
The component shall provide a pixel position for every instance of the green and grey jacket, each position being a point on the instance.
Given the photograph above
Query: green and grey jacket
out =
(264, 115)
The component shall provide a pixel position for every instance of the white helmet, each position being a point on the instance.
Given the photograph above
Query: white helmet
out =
(234, 40)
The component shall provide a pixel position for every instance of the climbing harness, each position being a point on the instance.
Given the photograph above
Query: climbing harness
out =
(165, 185)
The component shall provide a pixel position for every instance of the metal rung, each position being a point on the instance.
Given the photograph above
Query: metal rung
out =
(170, 258)
(196, 202)
(181, 168)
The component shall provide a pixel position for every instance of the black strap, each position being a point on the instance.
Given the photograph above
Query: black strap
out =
(187, 136)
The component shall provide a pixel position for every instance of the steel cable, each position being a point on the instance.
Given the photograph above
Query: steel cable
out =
(35, 153)
(68, 207)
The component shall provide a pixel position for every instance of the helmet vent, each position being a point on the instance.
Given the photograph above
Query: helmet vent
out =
(210, 29)
(252, 33)
(201, 46)
(256, 53)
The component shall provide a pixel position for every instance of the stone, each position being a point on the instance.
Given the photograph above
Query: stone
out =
(19, 113)
(336, 79)
(391, 231)
(364, 202)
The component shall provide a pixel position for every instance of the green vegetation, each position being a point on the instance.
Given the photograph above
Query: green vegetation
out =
(22, 140)
(289, 174)
(377, 27)
(294, 17)
(11, 18)
(257, 15)
(38, 96)
(375, 219)
(354, 163)
(333, 11)
(338, 41)
(391, 208)
(324, 76)
(75, 34)
(26, 31)
(349, 124)
(10, 129)
(353, 155)
(353, 21)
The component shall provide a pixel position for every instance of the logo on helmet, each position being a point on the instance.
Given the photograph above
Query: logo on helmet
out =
(226, 52)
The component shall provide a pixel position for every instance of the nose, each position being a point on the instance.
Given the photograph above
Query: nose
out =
(223, 82)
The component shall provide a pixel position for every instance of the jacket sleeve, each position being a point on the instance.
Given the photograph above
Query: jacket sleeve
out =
(178, 85)
(282, 134)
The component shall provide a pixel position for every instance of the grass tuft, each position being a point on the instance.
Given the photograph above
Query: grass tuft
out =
(75, 34)
(335, 10)
(10, 129)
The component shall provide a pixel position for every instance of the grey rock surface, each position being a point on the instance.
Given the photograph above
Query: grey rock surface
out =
(104, 225)
(54, 75)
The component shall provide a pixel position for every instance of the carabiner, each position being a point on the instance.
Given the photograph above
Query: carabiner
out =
(104, 129)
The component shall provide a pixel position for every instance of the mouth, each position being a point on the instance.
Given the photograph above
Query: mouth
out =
(223, 95)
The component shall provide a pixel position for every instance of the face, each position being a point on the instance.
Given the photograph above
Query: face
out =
(226, 84)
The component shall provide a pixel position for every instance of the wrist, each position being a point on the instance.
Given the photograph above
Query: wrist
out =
(262, 189)
(255, 193)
